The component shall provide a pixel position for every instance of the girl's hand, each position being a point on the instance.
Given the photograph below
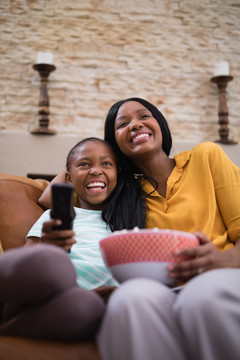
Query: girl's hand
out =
(204, 257)
(61, 238)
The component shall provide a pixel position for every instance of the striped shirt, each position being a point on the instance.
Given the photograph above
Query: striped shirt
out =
(89, 229)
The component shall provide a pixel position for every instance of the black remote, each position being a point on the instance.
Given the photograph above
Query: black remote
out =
(62, 205)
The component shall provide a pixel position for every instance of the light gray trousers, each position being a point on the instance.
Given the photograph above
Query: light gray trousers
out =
(145, 320)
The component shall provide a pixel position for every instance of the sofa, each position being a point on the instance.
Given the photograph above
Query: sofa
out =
(19, 210)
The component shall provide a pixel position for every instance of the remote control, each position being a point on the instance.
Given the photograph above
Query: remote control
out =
(62, 205)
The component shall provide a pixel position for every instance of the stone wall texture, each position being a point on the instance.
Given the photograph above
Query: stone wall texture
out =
(107, 50)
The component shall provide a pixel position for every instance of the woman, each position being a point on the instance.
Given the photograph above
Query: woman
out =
(197, 190)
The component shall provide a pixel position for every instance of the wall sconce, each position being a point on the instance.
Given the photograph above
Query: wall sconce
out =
(221, 78)
(44, 66)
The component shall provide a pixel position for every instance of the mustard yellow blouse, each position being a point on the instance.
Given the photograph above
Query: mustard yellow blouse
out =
(203, 193)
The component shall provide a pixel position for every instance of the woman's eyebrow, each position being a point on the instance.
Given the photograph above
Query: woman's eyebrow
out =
(141, 110)
(137, 111)
(121, 117)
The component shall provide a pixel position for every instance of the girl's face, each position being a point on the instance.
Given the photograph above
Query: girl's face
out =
(137, 132)
(93, 173)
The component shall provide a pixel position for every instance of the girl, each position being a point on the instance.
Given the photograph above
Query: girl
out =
(195, 190)
(39, 283)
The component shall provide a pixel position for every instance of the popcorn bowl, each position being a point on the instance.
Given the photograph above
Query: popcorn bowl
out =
(144, 253)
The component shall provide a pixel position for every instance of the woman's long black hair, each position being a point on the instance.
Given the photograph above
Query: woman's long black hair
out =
(131, 203)
(121, 210)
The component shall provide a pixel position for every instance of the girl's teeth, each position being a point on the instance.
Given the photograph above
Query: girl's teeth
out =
(96, 184)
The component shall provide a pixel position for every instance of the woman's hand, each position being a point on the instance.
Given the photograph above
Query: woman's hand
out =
(202, 258)
(61, 238)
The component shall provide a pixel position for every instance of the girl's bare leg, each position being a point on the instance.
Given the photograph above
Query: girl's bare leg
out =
(38, 283)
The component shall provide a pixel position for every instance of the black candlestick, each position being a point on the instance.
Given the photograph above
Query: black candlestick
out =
(43, 129)
(222, 81)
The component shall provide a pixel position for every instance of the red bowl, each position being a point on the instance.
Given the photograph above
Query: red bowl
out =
(144, 253)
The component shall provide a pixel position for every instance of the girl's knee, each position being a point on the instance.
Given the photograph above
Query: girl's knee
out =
(80, 310)
(38, 271)
(52, 267)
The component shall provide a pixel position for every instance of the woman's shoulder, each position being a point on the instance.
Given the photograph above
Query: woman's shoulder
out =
(207, 149)
(199, 150)
(212, 154)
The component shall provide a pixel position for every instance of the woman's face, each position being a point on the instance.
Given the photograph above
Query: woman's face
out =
(137, 132)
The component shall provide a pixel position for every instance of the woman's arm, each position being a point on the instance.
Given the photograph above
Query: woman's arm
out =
(45, 200)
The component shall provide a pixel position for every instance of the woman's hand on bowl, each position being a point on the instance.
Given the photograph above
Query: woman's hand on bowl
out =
(204, 257)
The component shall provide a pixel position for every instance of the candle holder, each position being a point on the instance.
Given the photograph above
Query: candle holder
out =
(44, 70)
(222, 81)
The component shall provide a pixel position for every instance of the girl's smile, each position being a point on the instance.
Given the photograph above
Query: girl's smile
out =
(93, 173)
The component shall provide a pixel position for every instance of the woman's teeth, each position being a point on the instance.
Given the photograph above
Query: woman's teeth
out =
(139, 137)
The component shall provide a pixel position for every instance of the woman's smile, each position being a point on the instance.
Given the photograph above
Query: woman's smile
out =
(140, 137)
(137, 132)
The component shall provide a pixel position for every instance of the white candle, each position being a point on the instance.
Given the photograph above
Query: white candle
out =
(44, 58)
(221, 68)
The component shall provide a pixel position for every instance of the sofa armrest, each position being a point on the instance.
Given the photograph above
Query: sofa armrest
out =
(19, 208)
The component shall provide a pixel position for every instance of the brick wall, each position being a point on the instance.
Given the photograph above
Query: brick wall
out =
(106, 50)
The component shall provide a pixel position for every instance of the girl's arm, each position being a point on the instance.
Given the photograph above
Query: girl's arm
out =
(45, 200)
